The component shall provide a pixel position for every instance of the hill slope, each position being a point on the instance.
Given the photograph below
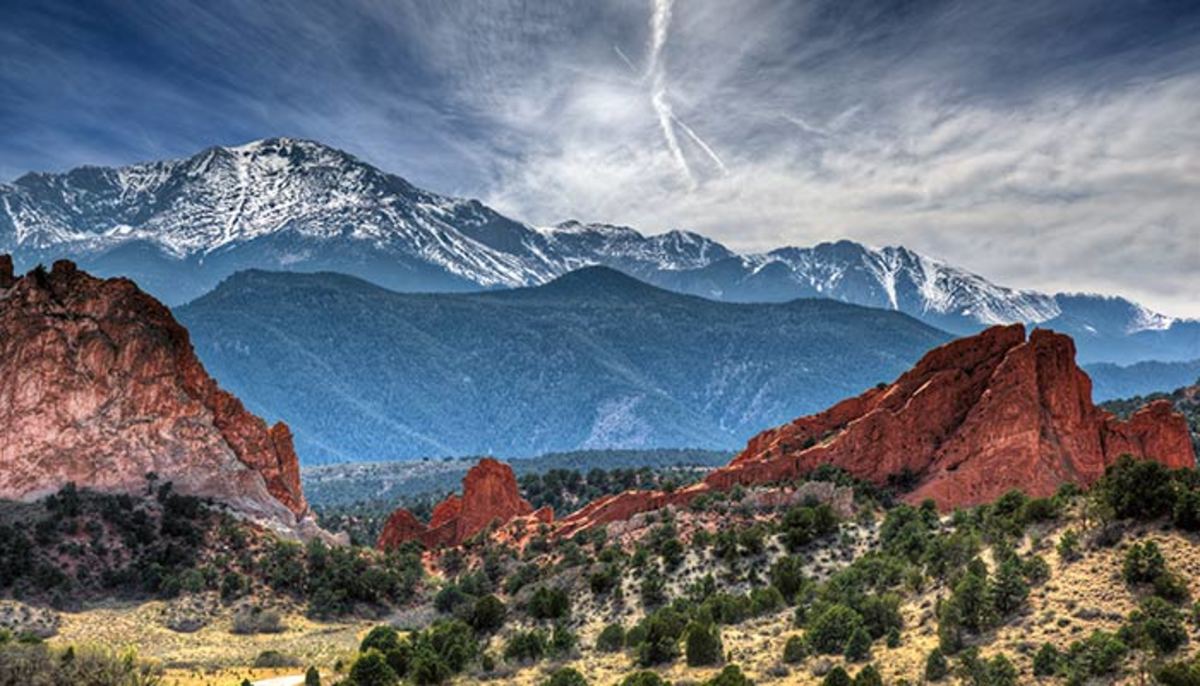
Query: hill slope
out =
(594, 359)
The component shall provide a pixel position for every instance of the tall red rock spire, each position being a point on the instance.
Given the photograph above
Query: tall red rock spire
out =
(490, 494)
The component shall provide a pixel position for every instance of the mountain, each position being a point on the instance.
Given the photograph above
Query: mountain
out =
(99, 387)
(593, 359)
(1111, 381)
(179, 227)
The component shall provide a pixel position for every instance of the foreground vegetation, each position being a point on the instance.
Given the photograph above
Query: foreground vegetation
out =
(1078, 588)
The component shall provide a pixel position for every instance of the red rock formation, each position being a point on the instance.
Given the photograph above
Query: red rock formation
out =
(401, 526)
(973, 419)
(99, 385)
(490, 494)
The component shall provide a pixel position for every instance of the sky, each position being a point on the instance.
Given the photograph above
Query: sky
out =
(1046, 144)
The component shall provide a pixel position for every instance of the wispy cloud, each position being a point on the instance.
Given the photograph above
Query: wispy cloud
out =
(1052, 144)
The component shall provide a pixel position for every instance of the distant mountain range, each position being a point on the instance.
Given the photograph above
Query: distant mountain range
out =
(179, 227)
(594, 359)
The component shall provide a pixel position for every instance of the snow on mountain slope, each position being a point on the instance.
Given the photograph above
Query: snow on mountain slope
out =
(181, 226)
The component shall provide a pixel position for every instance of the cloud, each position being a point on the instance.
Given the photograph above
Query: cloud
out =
(1051, 144)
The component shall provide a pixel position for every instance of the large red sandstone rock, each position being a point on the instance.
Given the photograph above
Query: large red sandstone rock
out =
(490, 494)
(99, 386)
(973, 419)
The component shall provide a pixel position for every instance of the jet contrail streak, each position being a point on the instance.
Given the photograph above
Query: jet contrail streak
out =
(700, 142)
(659, 22)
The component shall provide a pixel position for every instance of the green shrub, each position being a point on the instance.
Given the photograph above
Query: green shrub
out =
(730, 676)
(787, 575)
(1186, 514)
(1137, 489)
(1036, 570)
(868, 676)
(644, 678)
(653, 590)
(858, 646)
(371, 669)
(764, 601)
(611, 639)
(1156, 624)
(702, 645)
(1144, 563)
(907, 532)
(549, 603)
(972, 599)
(1046, 661)
(672, 552)
(802, 525)
(1009, 590)
(454, 641)
(488, 614)
(1068, 546)
(936, 667)
(427, 666)
(837, 677)
(1096, 656)
(605, 579)
(1001, 672)
(1172, 587)
(450, 598)
(660, 643)
(881, 614)
(795, 650)
(1181, 673)
(312, 677)
(832, 627)
(565, 677)
(562, 641)
(526, 646)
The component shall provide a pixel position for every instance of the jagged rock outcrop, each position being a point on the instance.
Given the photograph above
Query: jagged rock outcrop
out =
(99, 386)
(490, 495)
(974, 418)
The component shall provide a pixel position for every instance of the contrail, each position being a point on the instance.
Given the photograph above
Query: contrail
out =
(700, 142)
(805, 125)
(659, 23)
(625, 59)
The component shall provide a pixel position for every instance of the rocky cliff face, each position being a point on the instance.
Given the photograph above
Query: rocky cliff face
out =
(974, 418)
(99, 386)
(490, 494)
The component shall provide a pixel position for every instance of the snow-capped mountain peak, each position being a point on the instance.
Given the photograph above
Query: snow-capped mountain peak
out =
(180, 226)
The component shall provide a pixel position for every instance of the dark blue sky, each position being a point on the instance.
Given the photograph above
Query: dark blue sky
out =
(1044, 143)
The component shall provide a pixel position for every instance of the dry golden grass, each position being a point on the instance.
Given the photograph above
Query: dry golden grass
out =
(212, 655)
